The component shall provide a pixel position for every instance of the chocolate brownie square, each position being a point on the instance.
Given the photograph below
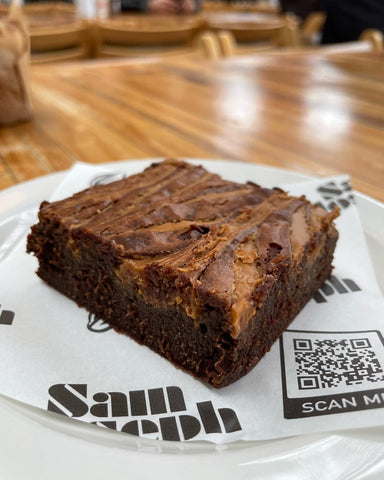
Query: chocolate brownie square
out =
(204, 271)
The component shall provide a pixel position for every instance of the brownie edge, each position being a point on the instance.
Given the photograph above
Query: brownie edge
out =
(206, 272)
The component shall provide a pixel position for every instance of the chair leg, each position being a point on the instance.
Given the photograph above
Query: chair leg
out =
(210, 46)
(227, 43)
(375, 37)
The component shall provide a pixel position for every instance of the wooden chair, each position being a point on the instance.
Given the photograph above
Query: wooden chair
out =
(310, 33)
(370, 40)
(44, 6)
(49, 13)
(289, 35)
(374, 37)
(254, 39)
(227, 43)
(55, 32)
(250, 33)
(60, 43)
(208, 44)
(310, 29)
(126, 39)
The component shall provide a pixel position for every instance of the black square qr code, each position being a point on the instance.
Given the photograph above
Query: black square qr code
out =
(333, 366)
(331, 363)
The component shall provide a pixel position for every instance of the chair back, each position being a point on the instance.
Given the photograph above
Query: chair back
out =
(313, 24)
(208, 44)
(276, 31)
(370, 40)
(227, 43)
(47, 14)
(250, 33)
(374, 37)
(119, 38)
(256, 38)
(60, 43)
(311, 28)
(47, 39)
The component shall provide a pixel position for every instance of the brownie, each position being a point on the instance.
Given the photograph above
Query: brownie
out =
(204, 271)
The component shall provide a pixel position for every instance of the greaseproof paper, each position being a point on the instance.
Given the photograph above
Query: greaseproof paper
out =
(325, 373)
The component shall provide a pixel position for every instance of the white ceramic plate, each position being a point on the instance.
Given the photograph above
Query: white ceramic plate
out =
(38, 445)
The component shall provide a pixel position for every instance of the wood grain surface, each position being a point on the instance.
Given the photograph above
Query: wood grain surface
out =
(311, 113)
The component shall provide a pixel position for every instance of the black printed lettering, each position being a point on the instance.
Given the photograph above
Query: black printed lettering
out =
(138, 403)
(70, 398)
(119, 404)
(336, 195)
(169, 430)
(230, 420)
(6, 317)
(113, 409)
(131, 427)
(101, 407)
(97, 325)
(335, 285)
(157, 401)
(190, 426)
(208, 417)
(149, 427)
(176, 399)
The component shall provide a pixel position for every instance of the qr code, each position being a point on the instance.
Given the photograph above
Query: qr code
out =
(330, 363)
(325, 373)
(318, 363)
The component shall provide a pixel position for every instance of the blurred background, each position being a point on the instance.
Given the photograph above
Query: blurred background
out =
(295, 84)
(87, 29)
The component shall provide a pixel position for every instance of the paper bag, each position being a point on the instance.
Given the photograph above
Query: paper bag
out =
(15, 104)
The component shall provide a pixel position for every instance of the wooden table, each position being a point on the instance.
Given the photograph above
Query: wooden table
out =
(314, 114)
